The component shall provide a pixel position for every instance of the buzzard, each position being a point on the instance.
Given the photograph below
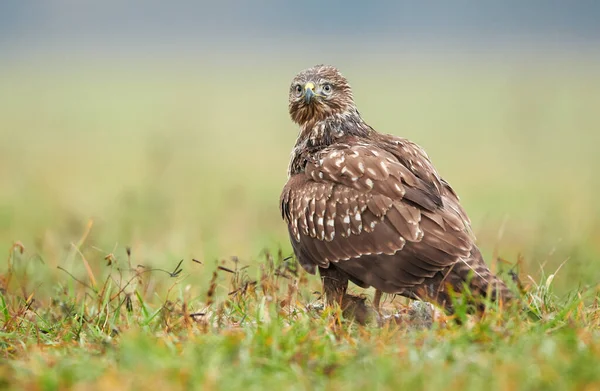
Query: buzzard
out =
(371, 208)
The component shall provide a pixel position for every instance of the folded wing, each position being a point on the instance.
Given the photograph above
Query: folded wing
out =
(378, 212)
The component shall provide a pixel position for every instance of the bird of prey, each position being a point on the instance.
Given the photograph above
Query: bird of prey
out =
(371, 208)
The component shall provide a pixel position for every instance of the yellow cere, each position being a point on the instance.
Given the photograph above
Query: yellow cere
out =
(309, 85)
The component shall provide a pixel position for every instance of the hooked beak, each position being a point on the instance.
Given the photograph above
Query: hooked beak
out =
(309, 92)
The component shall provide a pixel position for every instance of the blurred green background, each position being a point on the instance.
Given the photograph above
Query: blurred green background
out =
(177, 143)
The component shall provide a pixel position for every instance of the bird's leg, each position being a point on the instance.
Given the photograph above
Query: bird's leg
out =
(377, 300)
(335, 285)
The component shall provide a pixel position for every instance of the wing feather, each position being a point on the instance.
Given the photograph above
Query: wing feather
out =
(380, 214)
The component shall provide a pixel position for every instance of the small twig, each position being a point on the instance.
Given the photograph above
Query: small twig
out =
(225, 269)
(174, 273)
(75, 278)
(282, 274)
(128, 251)
(88, 268)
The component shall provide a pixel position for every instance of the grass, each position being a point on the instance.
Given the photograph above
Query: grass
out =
(145, 249)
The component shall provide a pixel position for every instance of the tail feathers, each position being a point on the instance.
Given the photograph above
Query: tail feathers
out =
(481, 280)
(472, 272)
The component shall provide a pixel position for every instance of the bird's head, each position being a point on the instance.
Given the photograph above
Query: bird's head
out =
(317, 93)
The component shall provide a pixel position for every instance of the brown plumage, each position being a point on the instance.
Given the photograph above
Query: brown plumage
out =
(371, 208)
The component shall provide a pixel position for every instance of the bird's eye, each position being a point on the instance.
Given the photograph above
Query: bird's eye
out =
(298, 90)
(327, 89)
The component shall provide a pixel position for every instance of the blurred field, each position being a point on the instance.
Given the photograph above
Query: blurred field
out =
(187, 161)
(182, 162)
